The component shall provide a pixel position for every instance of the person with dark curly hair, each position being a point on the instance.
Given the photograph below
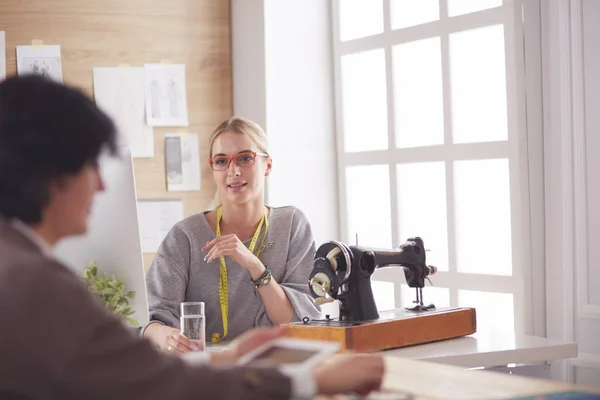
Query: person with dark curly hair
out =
(57, 341)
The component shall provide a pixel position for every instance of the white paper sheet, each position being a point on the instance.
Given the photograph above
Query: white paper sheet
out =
(182, 162)
(156, 218)
(120, 92)
(166, 98)
(41, 60)
(2, 55)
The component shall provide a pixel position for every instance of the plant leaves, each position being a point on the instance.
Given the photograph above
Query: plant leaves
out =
(132, 322)
(111, 292)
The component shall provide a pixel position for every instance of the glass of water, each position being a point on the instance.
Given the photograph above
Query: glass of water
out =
(192, 322)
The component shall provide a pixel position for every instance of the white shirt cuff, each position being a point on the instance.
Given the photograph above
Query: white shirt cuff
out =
(303, 383)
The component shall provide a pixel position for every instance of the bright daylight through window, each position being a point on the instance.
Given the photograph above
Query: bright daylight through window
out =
(430, 119)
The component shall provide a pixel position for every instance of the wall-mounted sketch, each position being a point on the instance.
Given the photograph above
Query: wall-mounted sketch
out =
(182, 158)
(2, 55)
(120, 92)
(40, 60)
(166, 98)
(156, 218)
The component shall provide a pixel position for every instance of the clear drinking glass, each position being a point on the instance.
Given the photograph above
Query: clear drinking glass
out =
(192, 322)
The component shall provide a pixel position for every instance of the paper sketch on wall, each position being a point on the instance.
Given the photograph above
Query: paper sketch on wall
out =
(120, 92)
(2, 55)
(182, 159)
(166, 99)
(40, 60)
(156, 218)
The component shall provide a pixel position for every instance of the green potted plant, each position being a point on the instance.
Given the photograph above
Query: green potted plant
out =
(111, 293)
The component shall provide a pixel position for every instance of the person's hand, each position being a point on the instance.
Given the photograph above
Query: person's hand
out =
(247, 342)
(171, 340)
(358, 373)
(232, 247)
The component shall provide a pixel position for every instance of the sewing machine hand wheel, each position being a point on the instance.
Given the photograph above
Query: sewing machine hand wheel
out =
(332, 268)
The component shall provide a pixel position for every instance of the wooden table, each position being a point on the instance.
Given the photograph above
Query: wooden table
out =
(425, 380)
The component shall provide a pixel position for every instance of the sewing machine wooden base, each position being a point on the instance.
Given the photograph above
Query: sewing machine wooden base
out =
(393, 329)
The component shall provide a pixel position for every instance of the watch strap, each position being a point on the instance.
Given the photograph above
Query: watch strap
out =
(262, 280)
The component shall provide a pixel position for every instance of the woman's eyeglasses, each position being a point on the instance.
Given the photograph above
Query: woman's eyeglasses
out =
(245, 159)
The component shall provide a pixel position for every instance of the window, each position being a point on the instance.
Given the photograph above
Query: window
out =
(429, 99)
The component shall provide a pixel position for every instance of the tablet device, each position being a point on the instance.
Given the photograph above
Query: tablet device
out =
(290, 353)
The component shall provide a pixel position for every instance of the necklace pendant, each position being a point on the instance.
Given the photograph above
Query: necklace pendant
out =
(267, 245)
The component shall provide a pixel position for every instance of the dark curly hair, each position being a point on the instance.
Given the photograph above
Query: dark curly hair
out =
(47, 131)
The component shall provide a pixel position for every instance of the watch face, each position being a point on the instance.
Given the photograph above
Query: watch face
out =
(264, 281)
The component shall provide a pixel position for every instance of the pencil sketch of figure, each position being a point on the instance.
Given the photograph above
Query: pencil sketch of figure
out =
(173, 98)
(45, 70)
(35, 68)
(155, 94)
(166, 95)
(48, 67)
(40, 60)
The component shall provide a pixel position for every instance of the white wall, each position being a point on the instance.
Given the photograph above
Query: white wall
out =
(571, 61)
(591, 47)
(248, 60)
(588, 324)
(283, 79)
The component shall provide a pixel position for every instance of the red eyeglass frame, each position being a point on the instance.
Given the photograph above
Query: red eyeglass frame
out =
(233, 158)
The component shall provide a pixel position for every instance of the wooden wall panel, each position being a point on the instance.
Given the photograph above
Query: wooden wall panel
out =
(94, 33)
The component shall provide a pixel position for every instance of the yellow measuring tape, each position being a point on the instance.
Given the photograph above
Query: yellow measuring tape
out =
(223, 289)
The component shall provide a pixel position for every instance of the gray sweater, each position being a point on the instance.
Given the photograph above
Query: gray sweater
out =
(179, 273)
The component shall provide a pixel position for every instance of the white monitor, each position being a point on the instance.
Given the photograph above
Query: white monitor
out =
(113, 238)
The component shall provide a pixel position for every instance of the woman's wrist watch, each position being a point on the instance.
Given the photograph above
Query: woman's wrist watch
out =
(262, 280)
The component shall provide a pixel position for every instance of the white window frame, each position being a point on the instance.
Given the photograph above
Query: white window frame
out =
(514, 148)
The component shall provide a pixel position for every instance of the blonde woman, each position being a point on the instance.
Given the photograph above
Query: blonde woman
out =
(248, 262)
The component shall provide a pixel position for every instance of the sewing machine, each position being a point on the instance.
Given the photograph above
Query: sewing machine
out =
(344, 273)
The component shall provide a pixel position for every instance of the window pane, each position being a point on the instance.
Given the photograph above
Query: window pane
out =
(368, 197)
(494, 311)
(422, 208)
(383, 292)
(459, 7)
(478, 85)
(407, 13)
(483, 228)
(418, 93)
(364, 101)
(360, 18)
(439, 296)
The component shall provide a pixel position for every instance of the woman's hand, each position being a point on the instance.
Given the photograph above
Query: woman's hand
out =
(171, 340)
(232, 247)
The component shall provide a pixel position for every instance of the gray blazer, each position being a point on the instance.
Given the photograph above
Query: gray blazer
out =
(58, 342)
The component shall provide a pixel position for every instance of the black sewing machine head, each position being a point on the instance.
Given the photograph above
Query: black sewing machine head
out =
(344, 272)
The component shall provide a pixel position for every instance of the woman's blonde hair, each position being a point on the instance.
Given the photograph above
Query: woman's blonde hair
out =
(243, 126)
